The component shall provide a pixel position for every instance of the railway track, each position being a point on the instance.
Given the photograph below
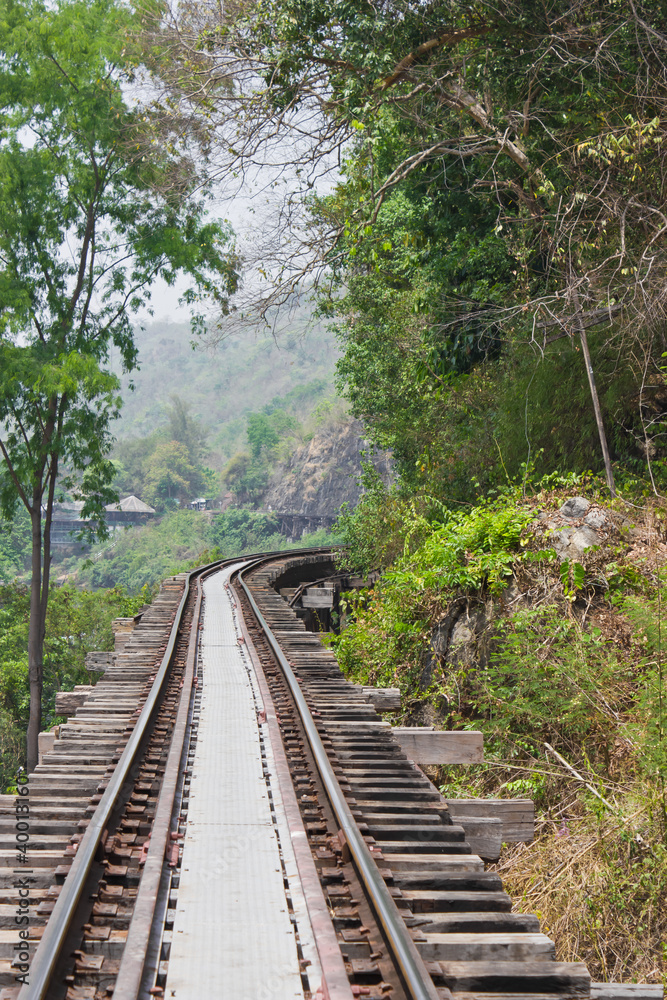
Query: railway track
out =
(222, 739)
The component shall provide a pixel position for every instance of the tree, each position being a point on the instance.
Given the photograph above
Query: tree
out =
(172, 476)
(185, 429)
(246, 477)
(87, 222)
(539, 130)
(262, 435)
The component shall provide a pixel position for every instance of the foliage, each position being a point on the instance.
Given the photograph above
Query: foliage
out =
(457, 547)
(184, 429)
(86, 224)
(456, 249)
(465, 551)
(166, 468)
(245, 477)
(146, 555)
(646, 612)
(597, 882)
(12, 750)
(245, 374)
(262, 435)
(375, 531)
(548, 679)
(77, 622)
(501, 193)
(171, 477)
(14, 546)
(576, 663)
(482, 426)
(538, 674)
(236, 531)
(471, 550)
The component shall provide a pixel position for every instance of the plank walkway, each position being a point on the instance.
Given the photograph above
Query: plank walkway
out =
(232, 929)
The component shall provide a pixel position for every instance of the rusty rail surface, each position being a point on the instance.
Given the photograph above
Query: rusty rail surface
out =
(50, 949)
(413, 971)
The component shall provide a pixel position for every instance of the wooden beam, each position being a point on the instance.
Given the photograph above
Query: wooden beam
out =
(483, 833)
(432, 746)
(98, 662)
(67, 702)
(45, 743)
(383, 699)
(517, 816)
(627, 991)
(317, 597)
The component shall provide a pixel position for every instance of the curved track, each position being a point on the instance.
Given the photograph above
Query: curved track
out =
(379, 892)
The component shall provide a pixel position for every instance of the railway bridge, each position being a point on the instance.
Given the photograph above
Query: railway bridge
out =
(224, 815)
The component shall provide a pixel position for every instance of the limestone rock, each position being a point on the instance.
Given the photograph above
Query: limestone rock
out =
(461, 635)
(575, 507)
(596, 519)
(571, 543)
(324, 473)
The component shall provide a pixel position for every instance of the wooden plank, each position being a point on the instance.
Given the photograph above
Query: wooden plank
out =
(45, 742)
(317, 598)
(475, 947)
(484, 835)
(479, 923)
(627, 991)
(383, 699)
(516, 815)
(535, 976)
(431, 746)
(67, 702)
(99, 662)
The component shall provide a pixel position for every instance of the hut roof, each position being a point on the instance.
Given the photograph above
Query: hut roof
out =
(132, 505)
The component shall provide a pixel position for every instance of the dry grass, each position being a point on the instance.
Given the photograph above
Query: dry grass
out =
(599, 886)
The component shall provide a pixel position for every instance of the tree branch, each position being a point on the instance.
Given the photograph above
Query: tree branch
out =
(452, 36)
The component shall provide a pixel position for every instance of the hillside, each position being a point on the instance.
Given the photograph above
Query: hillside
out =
(325, 473)
(536, 616)
(223, 384)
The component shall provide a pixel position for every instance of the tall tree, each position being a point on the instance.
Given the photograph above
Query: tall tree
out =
(185, 429)
(543, 123)
(87, 222)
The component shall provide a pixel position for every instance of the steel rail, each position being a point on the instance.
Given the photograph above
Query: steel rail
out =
(53, 940)
(131, 970)
(410, 964)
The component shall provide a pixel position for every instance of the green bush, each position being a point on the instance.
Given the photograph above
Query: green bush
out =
(466, 551)
(77, 622)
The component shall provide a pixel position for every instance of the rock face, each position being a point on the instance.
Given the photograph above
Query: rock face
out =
(465, 636)
(323, 474)
(575, 527)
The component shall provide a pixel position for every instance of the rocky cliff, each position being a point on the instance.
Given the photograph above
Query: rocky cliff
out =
(323, 474)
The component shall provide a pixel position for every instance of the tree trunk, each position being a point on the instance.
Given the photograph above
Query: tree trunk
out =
(594, 392)
(598, 412)
(35, 640)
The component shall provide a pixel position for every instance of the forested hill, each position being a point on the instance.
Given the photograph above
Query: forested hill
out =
(221, 385)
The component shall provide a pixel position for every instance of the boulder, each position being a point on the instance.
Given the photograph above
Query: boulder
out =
(596, 519)
(575, 507)
(571, 543)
